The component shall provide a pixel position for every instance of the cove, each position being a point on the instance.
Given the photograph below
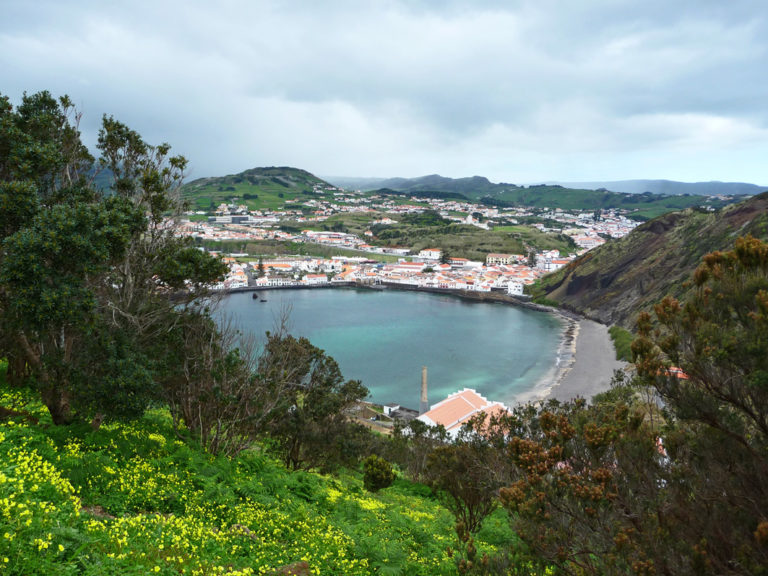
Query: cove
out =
(383, 338)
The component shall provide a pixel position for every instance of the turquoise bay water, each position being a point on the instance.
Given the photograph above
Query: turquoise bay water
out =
(383, 338)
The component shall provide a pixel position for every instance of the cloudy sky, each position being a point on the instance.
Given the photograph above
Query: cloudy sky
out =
(518, 91)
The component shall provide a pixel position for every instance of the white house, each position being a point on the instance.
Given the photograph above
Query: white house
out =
(458, 408)
(431, 254)
(515, 288)
(315, 279)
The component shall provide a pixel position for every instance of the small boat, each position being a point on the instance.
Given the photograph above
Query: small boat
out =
(263, 299)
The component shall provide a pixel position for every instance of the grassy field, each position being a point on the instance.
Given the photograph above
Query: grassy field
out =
(471, 242)
(622, 342)
(272, 248)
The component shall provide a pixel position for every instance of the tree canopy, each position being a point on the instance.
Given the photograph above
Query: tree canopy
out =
(87, 275)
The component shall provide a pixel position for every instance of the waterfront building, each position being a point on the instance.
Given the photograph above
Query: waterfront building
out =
(453, 412)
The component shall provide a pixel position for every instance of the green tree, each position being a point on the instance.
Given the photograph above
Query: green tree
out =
(411, 444)
(85, 276)
(311, 423)
(467, 476)
(587, 490)
(708, 360)
(212, 388)
(623, 486)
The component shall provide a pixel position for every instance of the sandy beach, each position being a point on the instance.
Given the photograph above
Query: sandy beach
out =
(591, 364)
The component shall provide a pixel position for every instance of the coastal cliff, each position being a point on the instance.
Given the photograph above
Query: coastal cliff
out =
(613, 283)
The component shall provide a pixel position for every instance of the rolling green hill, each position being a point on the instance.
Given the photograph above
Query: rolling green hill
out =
(614, 282)
(713, 188)
(479, 189)
(640, 206)
(270, 188)
(472, 187)
(258, 188)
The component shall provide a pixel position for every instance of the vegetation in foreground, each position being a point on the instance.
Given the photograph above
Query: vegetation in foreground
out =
(136, 498)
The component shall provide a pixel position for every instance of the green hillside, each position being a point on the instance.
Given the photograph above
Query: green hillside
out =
(614, 282)
(479, 189)
(137, 499)
(270, 188)
(257, 188)
(641, 206)
(712, 188)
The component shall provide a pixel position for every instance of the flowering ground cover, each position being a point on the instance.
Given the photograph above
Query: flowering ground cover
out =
(132, 498)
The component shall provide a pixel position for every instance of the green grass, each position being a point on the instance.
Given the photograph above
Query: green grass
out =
(472, 242)
(270, 197)
(622, 342)
(274, 248)
(259, 189)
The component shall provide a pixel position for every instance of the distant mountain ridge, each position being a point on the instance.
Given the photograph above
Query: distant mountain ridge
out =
(472, 186)
(271, 187)
(614, 282)
(481, 183)
(480, 189)
(672, 187)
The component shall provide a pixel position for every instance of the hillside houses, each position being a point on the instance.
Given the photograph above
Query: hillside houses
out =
(500, 272)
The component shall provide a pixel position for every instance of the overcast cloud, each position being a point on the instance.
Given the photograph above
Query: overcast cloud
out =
(518, 91)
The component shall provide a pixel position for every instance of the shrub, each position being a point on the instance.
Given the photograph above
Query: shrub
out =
(622, 342)
(377, 473)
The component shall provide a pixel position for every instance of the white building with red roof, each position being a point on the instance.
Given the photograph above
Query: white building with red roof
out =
(453, 412)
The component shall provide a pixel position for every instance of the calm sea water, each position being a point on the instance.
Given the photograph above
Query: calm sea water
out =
(384, 338)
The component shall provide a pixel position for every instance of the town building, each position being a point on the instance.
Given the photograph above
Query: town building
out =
(456, 410)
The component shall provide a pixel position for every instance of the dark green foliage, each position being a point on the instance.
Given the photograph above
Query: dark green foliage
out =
(423, 194)
(84, 275)
(209, 383)
(308, 420)
(622, 342)
(377, 473)
(623, 486)
(411, 445)
(719, 338)
(466, 241)
(426, 218)
(467, 475)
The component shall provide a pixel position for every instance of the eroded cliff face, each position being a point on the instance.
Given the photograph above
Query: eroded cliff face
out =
(613, 283)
